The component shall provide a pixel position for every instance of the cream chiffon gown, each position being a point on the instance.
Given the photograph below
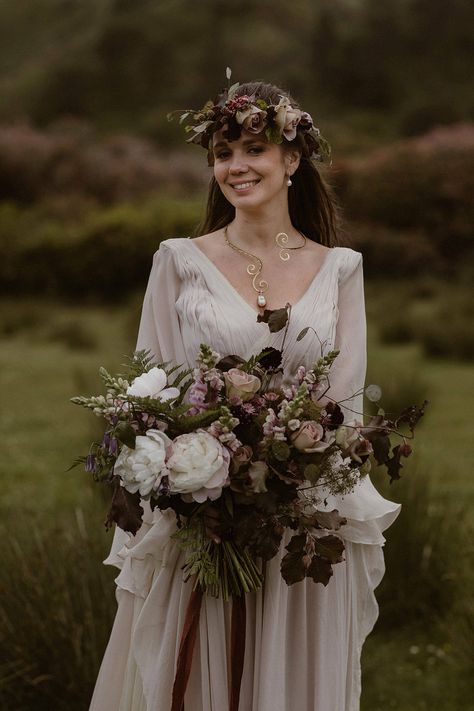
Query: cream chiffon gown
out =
(303, 642)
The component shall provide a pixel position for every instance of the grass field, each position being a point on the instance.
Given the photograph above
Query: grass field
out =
(51, 352)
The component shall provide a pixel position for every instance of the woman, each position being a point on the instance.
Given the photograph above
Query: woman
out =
(303, 642)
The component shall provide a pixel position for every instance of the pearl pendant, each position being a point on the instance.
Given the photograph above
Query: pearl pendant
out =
(261, 300)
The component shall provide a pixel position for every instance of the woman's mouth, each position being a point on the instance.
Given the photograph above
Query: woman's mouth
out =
(244, 187)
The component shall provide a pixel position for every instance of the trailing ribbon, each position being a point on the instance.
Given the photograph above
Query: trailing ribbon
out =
(186, 649)
(237, 650)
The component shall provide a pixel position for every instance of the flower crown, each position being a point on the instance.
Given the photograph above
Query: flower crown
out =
(253, 114)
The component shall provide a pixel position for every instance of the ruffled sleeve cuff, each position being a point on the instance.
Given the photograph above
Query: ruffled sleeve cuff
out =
(368, 514)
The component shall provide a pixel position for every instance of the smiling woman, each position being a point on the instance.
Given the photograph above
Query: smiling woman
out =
(270, 238)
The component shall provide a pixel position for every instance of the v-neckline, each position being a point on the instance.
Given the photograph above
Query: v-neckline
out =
(226, 281)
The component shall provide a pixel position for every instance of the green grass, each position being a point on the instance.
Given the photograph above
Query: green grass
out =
(42, 432)
(413, 670)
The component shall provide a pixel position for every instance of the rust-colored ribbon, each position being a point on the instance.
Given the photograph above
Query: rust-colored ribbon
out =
(186, 649)
(237, 650)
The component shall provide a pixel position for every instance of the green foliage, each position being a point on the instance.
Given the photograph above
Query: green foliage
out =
(105, 256)
(426, 544)
(106, 57)
(56, 609)
(436, 315)
(449, 333)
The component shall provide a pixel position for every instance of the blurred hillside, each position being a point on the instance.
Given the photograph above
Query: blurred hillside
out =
(367, 70)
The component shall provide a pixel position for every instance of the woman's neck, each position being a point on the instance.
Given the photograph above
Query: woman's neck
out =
(258, 231)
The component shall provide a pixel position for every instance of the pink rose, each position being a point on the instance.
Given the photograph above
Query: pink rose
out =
(310, 437)
(241, 456)
(352, 442)
(240, 384)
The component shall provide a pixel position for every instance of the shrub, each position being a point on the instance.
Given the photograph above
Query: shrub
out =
(423, 184)
(70, 159)
(448, 333)
(106, 256)
(390, 253)
(74, 334)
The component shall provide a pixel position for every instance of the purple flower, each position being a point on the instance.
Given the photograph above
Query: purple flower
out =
(90, 463)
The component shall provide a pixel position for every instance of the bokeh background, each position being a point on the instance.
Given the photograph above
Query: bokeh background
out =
(93, 176)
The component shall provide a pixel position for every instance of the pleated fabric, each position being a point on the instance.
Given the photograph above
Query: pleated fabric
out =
(303, 642)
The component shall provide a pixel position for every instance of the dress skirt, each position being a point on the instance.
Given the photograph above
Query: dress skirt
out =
(303, 642)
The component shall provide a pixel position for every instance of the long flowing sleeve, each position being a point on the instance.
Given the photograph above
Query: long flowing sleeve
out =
(347, 376)
(159, 330)
(368, 513)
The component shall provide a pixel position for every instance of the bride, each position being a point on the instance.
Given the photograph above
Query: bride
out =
(269, 238)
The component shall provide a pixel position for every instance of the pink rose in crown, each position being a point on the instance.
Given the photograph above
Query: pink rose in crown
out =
(287, 118)
(252, 119)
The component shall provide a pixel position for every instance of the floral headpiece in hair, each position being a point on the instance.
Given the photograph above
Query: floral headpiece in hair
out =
(279, 121)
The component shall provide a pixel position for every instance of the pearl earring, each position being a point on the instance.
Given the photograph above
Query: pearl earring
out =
(289, 182)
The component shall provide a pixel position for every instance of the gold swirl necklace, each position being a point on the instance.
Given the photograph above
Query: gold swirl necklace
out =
(254, 270)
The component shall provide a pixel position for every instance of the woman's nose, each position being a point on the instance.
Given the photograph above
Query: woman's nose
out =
(237, 164)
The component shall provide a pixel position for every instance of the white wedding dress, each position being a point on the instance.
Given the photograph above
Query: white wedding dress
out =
(303, 642)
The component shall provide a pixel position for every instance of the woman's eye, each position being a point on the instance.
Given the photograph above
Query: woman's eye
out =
(224, 154)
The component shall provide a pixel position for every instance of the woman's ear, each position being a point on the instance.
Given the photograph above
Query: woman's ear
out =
(292, 160)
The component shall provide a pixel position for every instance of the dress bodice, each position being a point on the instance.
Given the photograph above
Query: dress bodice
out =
(189, 301)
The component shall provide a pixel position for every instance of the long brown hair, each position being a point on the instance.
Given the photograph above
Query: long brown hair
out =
(312, 205)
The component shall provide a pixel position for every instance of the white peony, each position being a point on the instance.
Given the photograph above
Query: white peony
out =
(141, 469)
(152, 384)
(198, 465)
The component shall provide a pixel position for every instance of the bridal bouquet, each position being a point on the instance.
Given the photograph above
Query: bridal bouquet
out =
(238, 461)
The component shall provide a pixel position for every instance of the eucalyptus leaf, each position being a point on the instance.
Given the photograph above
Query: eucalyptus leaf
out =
(232, 90)
(302, 334)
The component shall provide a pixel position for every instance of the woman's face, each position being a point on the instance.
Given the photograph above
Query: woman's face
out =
(250, 171)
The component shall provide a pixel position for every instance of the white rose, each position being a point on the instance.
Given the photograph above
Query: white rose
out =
(198, 465)
(141, 469)
(152, 384)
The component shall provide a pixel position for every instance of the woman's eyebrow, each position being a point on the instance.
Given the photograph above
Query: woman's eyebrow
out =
(245, 142)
